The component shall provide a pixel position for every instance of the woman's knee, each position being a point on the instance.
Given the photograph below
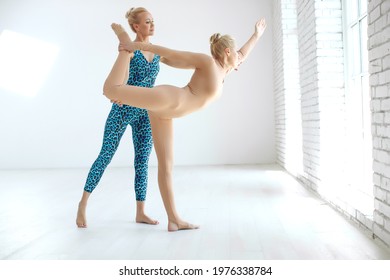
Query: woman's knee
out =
(141, 166)
(110, 91)
(165, 165)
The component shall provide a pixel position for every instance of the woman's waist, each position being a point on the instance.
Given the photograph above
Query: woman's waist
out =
(197, 98)
(140, 84)
(128, 108)
(203, 93)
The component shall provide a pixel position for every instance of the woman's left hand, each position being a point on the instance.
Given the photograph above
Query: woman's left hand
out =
(260, 26)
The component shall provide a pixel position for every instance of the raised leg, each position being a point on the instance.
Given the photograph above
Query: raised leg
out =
(120, 67)
(121, 33)
(162, 130)
(162, 98)
(118, 71)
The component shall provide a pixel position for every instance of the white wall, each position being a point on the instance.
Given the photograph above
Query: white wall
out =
(62, 126)
(379, 57)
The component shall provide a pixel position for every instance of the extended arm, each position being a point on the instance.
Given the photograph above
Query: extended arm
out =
(176, 63)
(250, 44)
(174, 58)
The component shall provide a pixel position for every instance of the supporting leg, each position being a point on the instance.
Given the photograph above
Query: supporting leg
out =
(162, 130)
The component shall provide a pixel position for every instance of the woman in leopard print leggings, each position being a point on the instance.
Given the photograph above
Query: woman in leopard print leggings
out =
(143, 70)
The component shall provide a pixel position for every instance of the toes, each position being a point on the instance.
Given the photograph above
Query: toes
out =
(185, 226)
(191, 226)
(81, 225)
(146, 220)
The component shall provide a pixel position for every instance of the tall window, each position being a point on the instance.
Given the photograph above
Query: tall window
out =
(358, 103)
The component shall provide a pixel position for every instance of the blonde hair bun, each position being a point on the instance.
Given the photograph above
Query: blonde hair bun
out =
(215, 38)
(128, 13)
(218, 44)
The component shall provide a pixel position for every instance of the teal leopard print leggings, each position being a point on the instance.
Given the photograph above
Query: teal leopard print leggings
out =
(116, 124)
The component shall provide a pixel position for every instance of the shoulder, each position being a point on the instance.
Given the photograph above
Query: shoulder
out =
(206, 59)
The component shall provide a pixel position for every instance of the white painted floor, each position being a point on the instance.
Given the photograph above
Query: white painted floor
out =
(245, 212)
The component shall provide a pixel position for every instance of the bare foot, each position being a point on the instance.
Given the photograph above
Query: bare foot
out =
(181, 225)
(125, 43)
(121, 33)
(143, 219)
(81, 221)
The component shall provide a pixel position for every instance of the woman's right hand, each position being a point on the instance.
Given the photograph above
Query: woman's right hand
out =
(129, 47)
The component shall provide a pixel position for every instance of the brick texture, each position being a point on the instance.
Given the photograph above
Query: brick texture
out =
(379, 59)
(310, 101)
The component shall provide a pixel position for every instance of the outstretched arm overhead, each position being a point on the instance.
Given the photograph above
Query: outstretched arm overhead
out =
(249, 45)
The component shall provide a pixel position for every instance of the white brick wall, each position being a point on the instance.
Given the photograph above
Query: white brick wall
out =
(309, 92)
(279, 98)
(330, 91)
(379, 58)
(286, 85)
(314, 40)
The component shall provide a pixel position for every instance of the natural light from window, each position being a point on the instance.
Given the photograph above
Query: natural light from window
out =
(358, 106)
